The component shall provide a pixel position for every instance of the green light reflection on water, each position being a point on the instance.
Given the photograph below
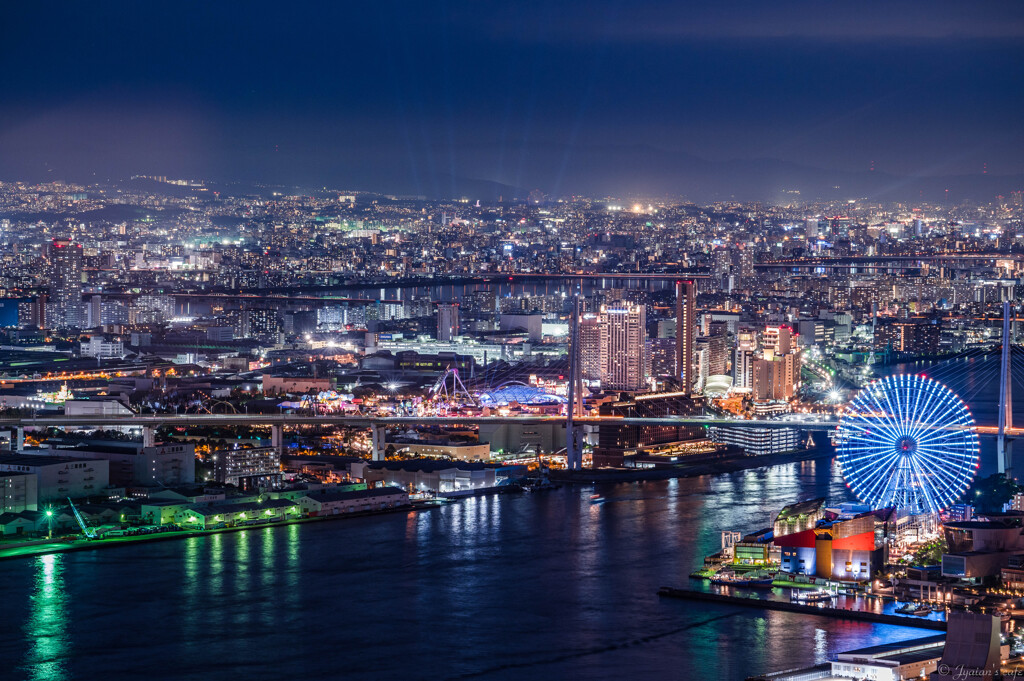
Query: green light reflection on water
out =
(46, 627)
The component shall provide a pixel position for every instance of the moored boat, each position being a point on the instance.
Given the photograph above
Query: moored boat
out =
(816, 596)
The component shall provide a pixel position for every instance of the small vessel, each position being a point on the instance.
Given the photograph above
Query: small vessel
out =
(919, 609)
(596, 499)
(815, 596)
(732, 579)
(938, 608)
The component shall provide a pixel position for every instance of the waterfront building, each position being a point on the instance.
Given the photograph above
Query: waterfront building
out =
(248, 469)
(237, 515)
(913, 659)
(422, 476)
(509, 438)
(981, 548)
(757, 441)
(618, 445)
(18, 492)
(132, 464)
(973, 648)
(818, 543)
(462, 451)
(60, 477)
(26, 522)
(334, 502)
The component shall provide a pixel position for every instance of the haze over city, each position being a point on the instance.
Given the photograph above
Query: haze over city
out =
(746, 100)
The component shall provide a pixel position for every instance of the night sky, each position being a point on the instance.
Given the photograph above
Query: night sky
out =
(586, 96)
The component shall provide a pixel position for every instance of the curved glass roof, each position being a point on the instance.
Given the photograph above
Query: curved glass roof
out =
(520, 394)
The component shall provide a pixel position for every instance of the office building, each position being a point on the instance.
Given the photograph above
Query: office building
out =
(447, 321)
(623, 346)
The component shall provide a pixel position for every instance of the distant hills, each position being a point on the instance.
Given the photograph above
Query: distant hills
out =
(618, 171)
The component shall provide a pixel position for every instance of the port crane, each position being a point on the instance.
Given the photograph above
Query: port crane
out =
(86, 530)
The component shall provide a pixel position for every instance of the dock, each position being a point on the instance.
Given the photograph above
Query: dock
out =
(802, 608)
(689, 467)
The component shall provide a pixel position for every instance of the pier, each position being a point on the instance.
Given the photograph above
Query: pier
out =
(801, 608)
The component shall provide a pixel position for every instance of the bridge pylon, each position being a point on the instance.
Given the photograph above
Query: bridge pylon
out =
(574, 408)
(1004, 445)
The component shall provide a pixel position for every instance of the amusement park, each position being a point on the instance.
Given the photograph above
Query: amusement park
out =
(921, 539)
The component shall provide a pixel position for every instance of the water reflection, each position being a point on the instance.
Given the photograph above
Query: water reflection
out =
(215, 580)
(46, 627)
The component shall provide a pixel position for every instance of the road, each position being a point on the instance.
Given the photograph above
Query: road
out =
(815, 423)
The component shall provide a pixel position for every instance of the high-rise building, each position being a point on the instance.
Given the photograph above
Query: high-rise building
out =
(811, 229)
(776, 379)
(447, 321)
(33, 313)
(590, 347)
(623, 344)
(262, 324)
(742, 370)
(686, 323)
(66, 284)
(915, 337)
(718, 354)
(766, 380)
(661, 353)
(746, 259)
(778, 340)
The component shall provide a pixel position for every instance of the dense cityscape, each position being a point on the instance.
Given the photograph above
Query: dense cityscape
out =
(469, 340)
(180, 361)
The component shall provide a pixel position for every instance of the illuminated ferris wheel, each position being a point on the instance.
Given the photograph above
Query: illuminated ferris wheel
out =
(907, 441)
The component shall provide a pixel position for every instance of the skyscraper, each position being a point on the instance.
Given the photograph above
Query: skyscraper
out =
(623, 344)
(447, 321)
(590, 347)
(742, 370)
(686, 322)
(66, 284)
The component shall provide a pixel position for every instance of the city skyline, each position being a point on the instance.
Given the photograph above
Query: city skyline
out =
(565, 340)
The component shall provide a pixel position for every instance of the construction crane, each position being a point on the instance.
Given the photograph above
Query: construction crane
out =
(86, 530)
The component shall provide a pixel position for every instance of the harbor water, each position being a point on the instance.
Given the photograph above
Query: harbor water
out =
(545, 585)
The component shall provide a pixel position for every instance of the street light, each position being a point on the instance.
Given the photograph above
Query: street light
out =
(49, 520)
